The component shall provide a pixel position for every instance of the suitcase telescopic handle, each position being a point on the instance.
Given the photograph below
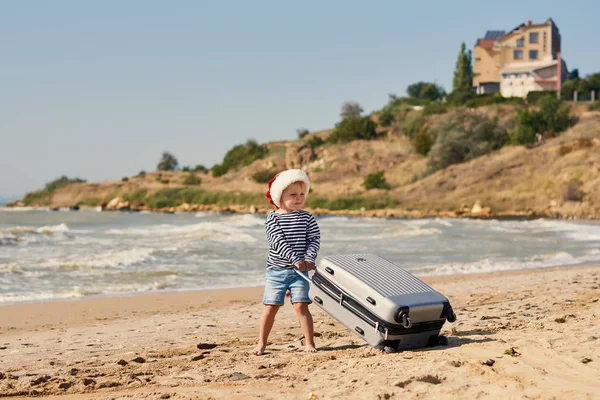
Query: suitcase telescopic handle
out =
(306, 277)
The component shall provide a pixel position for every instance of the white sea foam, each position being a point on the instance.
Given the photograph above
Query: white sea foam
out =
(82, 291)
(28, 234)
(10, 268)
(22, 209)
(560, 258)
(215, 231)
(112, 259)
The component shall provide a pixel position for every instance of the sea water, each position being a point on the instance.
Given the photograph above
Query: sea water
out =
(47, 255)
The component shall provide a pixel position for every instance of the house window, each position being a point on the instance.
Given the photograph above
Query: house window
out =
(534, 37)
(506, 76)
(519, 76)
(520, 42)
(518, 54)
(533, 54)
(530, 75)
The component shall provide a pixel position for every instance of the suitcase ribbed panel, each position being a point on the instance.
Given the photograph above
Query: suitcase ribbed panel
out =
(384, 277)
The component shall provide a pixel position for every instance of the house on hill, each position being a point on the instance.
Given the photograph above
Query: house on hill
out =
(527, 58)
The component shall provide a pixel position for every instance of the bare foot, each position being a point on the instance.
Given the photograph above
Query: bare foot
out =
(310, 348)
(258, 350)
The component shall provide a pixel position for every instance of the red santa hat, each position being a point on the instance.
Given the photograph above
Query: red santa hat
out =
(281, 181)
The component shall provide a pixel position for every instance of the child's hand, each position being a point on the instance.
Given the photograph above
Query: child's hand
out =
(301, 266)
(309, 265)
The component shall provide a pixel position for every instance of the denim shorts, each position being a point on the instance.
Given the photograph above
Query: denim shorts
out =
(279, 280)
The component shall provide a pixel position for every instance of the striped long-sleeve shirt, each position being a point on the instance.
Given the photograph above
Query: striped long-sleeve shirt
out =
(293, 237)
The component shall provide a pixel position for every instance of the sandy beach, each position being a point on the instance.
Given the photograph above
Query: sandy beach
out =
(529, 334)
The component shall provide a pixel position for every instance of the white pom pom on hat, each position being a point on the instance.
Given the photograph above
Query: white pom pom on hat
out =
(281, 181)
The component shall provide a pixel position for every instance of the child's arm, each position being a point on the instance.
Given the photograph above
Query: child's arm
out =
(313, 240)
(278, 243)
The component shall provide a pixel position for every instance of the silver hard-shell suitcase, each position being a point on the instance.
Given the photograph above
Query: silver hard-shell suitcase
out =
(380, 302)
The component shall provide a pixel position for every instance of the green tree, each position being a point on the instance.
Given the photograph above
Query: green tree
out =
(302, 133)
(168, 162)
(242, 154)
(351, 110)
(354, 129)
(386, 116)
(462, 83)
(426, 91)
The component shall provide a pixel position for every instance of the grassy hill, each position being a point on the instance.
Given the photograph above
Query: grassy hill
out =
(560, 177)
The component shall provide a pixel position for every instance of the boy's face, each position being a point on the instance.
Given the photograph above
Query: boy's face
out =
(293, 197)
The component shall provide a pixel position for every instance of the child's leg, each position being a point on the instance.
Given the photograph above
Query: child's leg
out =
(266, 324)
(306, 323)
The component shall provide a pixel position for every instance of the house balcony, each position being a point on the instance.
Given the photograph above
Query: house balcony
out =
(546, 80)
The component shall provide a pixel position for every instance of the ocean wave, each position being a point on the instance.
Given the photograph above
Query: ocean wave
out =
(557, 259)
(22, 209)
(112, 259)
(10, 268)
(26, 234)
(578, 231)
(83, 291)
(214, 231)
(245, 220)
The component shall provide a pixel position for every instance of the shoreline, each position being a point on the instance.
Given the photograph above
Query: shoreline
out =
(529, 333)
(166, 300)
(235, 289)
(396, 213)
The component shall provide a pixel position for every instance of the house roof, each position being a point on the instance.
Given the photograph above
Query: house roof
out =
(494, 35)
(486, 44)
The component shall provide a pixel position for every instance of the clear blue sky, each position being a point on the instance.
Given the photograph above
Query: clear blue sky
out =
(98, 90)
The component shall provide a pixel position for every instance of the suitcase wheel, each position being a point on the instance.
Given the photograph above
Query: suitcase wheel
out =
(442, 340)
(437, 341)
(451, 317)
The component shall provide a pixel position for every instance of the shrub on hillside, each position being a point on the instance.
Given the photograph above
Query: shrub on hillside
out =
(595, 106)
(43, 195)
(413, 124)
(376, 181)
(462, 136)
(315, 142)
(534, 96)
(200, 168)
(572, 191)
(422, 142)
(487, 99)
(550, 120)
(242, 154)
(263, 176)
(141, 174)
(61, 182)
(434, 108)
(186, 168)
(136, 198)
(386, 116)
(192, 179)
(125, 179)
(350, 129)
(218, 170)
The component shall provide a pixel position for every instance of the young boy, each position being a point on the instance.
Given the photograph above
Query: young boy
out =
(294, 241)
